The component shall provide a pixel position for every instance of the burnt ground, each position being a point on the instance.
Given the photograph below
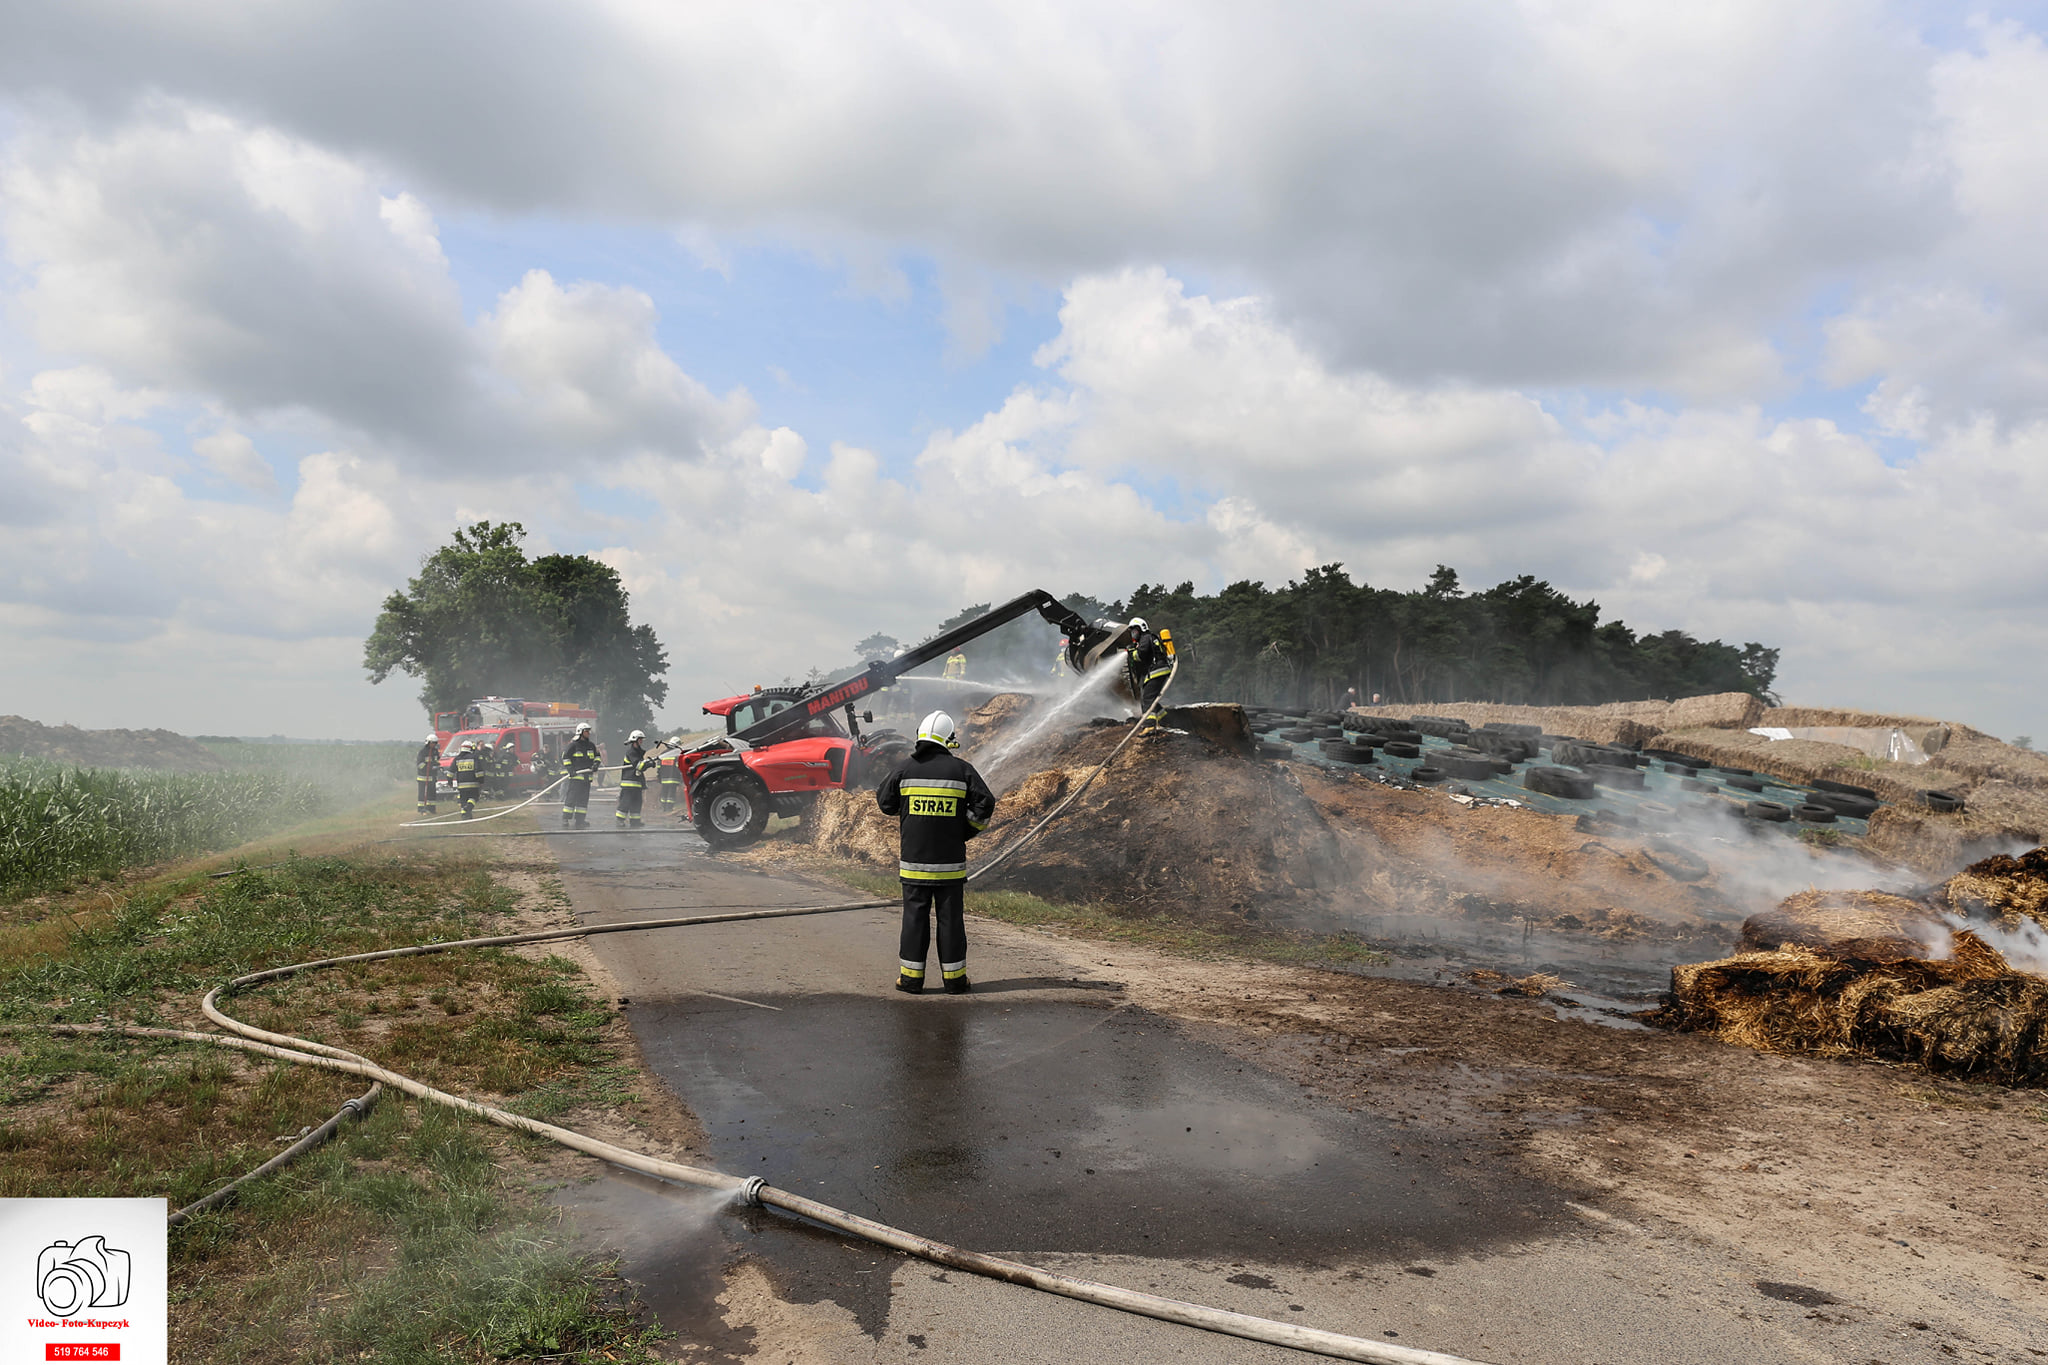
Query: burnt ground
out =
(1573, 1191)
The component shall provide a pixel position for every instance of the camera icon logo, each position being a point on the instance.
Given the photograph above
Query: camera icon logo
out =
(73, 1276)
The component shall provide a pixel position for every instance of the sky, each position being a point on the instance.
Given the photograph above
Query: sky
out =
(815, 320)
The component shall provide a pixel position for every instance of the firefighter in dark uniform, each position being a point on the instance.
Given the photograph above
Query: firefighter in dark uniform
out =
(633, 781)
(942, 803)
(671, 777)
(1147, 665)
(498, 763)
(469, 776)
(427, 765)
(579, 763)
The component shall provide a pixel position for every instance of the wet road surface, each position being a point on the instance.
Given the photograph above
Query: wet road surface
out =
(1042, 1117)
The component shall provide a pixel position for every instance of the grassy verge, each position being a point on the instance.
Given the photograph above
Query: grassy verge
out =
(416, 1235)
(1156, 931)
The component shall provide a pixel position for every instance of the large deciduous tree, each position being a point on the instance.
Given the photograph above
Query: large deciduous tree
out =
(482, 619)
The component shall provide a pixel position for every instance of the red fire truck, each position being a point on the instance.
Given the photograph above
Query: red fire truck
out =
(522, 740)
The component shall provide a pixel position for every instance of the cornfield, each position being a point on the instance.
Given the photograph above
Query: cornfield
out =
(59, 825)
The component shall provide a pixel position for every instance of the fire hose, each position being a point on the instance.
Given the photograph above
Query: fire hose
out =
(754, 1191)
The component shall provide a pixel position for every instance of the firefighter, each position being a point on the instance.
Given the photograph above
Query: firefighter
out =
(1059, 659)
(671, 775)
(579, 766)
(498, 764)
(633, 781)
(1147, 665)
(956, 665)
(469, 777)
(427, 764)
(941, 802)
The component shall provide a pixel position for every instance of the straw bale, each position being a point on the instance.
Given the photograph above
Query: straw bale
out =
(1600, 724)
(1805, 760)
(1869, 925)
(1995, 1027)
(2002, 890)
(1720, 711)
(1797, 717)
(995, 715)
(1936, 844)
(1981, 758)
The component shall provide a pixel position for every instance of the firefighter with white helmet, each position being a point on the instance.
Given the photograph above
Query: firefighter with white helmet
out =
(941, 803)
(426, 765)
(468, 769)
(579, 769)
(633, 781)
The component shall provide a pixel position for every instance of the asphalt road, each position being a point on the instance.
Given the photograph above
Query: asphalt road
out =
(1044, 1118)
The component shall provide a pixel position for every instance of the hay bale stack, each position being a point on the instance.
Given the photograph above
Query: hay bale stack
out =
(1799, 717)
(1870, 926)
(1805, 760)
(1720, 711)
(2002, 890)
(1932, 843)
(1981, 758)
(1601, 724)
(1996, 1028)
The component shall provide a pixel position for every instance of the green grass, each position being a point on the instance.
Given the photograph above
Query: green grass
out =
(1162, 931)
(414, 1235)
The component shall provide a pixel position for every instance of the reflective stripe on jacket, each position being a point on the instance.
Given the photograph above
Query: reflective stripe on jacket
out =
(428, 761)
(634, 765)
(942, 803)
(466, 774)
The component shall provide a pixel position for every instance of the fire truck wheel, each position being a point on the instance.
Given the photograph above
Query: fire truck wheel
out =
(732, 810)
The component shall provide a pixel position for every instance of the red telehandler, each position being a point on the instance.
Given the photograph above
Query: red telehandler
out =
(784, 745)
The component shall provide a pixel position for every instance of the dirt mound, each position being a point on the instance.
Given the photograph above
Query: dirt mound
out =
(1870, 925)
(2001, 890)
(1178, 823)
(1864, 972)
(162, 749)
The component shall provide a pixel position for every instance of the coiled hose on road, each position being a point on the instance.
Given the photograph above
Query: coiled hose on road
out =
(755, 1191)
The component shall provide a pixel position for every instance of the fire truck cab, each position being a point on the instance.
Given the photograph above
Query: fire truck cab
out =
(522, 740)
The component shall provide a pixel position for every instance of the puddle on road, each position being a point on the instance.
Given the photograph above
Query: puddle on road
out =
(1057, 1126)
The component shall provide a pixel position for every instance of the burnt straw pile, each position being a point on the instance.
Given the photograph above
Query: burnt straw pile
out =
(1950, 979)
(1187, 820)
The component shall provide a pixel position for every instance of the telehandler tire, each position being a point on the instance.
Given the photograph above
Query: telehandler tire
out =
(732, 810)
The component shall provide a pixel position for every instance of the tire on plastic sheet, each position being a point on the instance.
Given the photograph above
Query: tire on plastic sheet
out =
(1562, 782)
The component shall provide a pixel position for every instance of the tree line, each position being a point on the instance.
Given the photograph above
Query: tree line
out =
(1521, 642)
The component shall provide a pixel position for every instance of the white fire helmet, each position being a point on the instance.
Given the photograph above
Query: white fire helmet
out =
(675, 741)
(582, 727)
(433, 738)
(637, 734)
(469, 744)
(1138, 624)
(938, 728)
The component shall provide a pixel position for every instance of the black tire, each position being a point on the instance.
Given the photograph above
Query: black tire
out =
(1275, 751)
(1746, 784)
(1655, 813)
(1365, 738)
(1428, 772)
(1693, 784)
(1826, 785)
(1325, 717)
(1678, 770)
(1846, 804)
(1813, 813)
(1948, 803)
(1734, 772)
(1401, 748)
(1559, 782)
(1350, 753)
(1621, 779)
(1297, 734)
(1772, 811)
(1473, 768)
(731, 809)
(1680, 864)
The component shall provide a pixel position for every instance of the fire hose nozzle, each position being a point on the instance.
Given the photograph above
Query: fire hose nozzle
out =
(750, 1193)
